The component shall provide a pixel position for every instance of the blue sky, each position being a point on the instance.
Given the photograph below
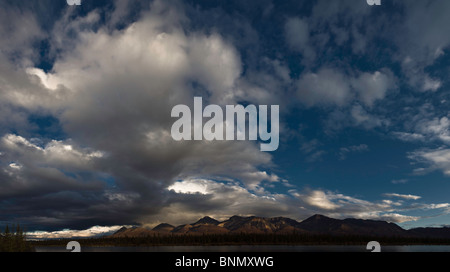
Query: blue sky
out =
(86, 93)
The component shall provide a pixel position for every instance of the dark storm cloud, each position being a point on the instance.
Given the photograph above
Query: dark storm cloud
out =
(114, 102)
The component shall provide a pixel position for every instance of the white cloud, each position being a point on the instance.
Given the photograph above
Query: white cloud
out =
(342, 206)
(17, 142)
(346, 19)
(15, 166)
(438, 128)
(397, 218)
(326, 87)
(48, 80)
(425, 127)
(431, 84)
(409, 137)
(354, 148)
(408, 197)
(297, 34)
(373, 87)
(311, 149)
(346, 22)
(310, 146)
(220, 70)
(437, 159)
(320, 199)
(362, 118)
(190, 187)
(67, 233)
(54, 167)
(438, 206)
(54, 153)
(316, 156)
(333, 87)
(424, 20)
(20, 29)
(399, 181)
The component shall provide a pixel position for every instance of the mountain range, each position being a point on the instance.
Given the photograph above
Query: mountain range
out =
(314, 225)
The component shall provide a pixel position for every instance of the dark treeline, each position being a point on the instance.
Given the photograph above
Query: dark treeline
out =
(244, 239)
(14, 240)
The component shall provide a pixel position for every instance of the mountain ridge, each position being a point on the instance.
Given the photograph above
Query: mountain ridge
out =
(314, 225)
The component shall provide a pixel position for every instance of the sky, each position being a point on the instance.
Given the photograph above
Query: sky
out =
(86, 94)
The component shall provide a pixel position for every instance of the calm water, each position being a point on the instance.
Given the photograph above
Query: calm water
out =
(252, 249)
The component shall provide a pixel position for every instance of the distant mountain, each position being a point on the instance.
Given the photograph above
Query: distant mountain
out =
(314, 225)
(319, 224)
(163, 228)
(121, 230)
(207, 221)
(206, 225)
(182, 229)
(238, 224)
(132, 232)
(433, 233)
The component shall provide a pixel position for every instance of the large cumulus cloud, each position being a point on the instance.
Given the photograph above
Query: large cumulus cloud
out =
(112, 92)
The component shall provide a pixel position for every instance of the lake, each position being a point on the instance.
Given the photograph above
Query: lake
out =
(268, 248)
